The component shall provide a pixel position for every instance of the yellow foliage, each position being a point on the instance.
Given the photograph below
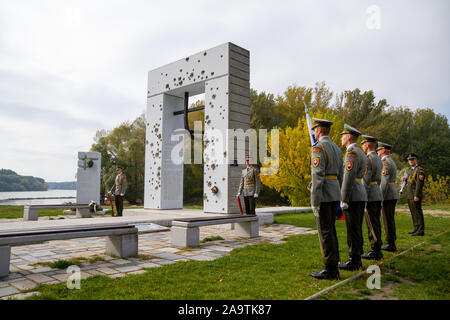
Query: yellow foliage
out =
(294, 173)
(436, 191)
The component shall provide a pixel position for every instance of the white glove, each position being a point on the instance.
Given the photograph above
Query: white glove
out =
(109, 192)
(237, 196)
(121, 194)
(315, 211)
(344, 205)
(255, 195)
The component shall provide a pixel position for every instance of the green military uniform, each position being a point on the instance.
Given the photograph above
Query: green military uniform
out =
(390, 197)
(354, 196)
(249, 187)
(118, 189)
(372, 180)
(414, 188)
(326, 174)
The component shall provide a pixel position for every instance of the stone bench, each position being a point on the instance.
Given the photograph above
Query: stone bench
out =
(31, 212)
(121, 239)
(185, 232)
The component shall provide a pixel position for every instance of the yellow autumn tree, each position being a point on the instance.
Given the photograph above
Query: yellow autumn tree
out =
(436, 191)
(294, 171)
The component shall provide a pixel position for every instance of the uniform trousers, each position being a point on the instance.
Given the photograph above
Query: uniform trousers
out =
(353, 220)
(389, 220)
(119, 204)
(328, 237)
(374, 211)
(417, 215)
(249, 204)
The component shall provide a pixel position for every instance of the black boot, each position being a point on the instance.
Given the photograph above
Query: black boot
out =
(390, 247)
(420, 234)
(325, 274)
(351, 264)
(412, 232)
(372, 255)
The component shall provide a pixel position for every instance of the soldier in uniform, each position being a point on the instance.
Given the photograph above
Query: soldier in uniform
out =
(354, 196)
(389, 193)
(326, 174)
(250, 184)
(372, 180)
(414, 186)
(118, 189)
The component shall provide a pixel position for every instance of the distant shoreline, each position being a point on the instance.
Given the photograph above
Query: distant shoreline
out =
(10, 199)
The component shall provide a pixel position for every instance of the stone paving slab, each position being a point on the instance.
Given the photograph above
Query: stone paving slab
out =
(155, 250)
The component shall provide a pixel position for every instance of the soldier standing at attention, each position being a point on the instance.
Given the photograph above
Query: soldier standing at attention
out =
(118, 189)
(389, 193)
(354, 196)
(372, 180)
(326, 174)
(414, 186)
(250, 183)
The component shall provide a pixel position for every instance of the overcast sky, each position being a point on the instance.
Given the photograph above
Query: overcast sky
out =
(69, 68)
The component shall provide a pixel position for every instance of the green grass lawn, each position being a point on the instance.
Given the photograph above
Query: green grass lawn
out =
(13, 212)
(265, 271)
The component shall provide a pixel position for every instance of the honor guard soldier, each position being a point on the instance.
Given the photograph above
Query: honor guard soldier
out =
(389, 193)
(372, 181)
(414, 186)
(250, 184)
(326, 174)
(354, 196)
(118, 189)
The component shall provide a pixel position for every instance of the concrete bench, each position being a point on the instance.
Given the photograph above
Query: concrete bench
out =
(121, 239)
(31, 212)
(185, 232)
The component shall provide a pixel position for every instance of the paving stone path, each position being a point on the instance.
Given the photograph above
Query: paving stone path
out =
(155, 250)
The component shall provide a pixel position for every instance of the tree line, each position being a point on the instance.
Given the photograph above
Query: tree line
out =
(11, 181)
(421, 131)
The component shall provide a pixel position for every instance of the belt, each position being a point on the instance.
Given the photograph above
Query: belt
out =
(391, 182)
(249, 185)
(374, 182)
(330, 177)
(357, 180)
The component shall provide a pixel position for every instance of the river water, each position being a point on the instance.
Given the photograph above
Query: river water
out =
(37, 197)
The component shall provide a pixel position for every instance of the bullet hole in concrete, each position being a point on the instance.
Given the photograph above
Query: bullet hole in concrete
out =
(203, 72)
(213, 96)
(181, 70)
(187, 59)
(204, 53)
(212, 73)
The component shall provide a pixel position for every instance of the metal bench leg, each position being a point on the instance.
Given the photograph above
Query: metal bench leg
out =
(30, 214)
(5, 256)
(247, 229)
(125, 245)
(185, 237)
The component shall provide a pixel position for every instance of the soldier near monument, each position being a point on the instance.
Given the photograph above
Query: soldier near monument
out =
(389, 193)
(354, 196)
(118, 189)
(414, 193)
(249, 186)
(372, 181)
(326, 174)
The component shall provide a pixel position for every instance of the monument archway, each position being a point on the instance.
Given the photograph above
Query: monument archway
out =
(222, 73)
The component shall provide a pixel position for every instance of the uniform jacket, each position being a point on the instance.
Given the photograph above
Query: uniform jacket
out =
(372, 178)
(250, 181)
(388, 177)
(416, 179)
(326, 171)
(355, 164)
(120, 185)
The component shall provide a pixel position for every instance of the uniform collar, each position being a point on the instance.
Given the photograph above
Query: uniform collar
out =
(373, 151)
(324, 138)
(353, 144)
(415, 166)
(384, 157)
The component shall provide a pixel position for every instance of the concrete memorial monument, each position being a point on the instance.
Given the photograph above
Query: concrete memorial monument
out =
(222, 74)
(88, 180)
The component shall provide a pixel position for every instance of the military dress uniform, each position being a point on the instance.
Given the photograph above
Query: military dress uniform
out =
(249, 187)
(414, 188)
(118, 189)
(326, 174)
(372, 181)
(354, 196)
(390, 197)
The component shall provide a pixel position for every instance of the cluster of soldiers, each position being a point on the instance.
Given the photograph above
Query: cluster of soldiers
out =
(363, 184)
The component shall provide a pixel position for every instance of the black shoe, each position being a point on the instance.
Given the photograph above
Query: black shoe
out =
(420, 234)
(411, 232)
(325, 274)
(390, 247)
(372, 255)
(350, 265)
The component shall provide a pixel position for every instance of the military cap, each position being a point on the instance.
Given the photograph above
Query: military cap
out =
(119, 167)
(321, 123)
(382, 145)
(350, 130)
(368, 139)
(412, 156)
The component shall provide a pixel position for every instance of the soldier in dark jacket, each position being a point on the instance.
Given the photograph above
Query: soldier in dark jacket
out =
(118, 189)
(326, 174)
(354, 196)
(414, 187)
